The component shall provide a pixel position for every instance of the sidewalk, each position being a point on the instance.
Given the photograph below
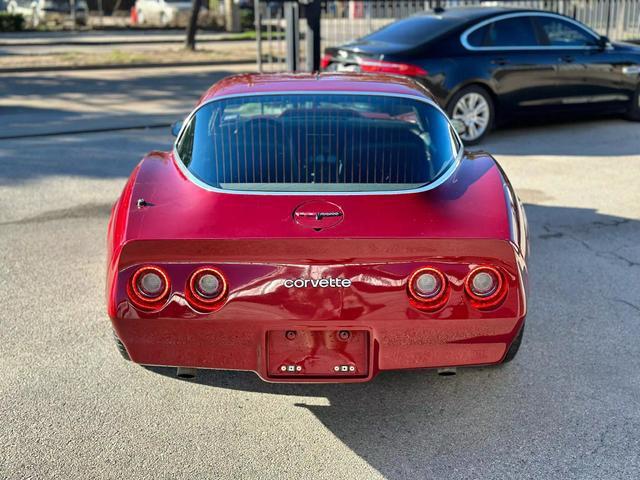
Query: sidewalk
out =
(114, 37)
(106, 55)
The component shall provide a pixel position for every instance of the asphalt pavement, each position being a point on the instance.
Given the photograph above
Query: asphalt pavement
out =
(568, 406)
(79, 101)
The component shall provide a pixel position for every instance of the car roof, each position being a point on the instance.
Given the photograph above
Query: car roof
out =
(252, 84)
(465, 14)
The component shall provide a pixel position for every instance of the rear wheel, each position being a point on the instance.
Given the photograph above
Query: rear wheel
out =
(474, 107)
(121, 348)
(634, 109)
(515, 346)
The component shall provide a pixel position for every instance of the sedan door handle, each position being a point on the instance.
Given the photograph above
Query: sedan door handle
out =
(567, 59)
(500, 61)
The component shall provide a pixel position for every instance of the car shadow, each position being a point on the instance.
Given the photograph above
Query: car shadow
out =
(569, 381)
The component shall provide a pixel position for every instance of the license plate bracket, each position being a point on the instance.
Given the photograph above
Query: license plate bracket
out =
(318, 353)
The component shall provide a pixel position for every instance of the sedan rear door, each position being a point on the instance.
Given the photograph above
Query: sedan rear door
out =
(522, 74)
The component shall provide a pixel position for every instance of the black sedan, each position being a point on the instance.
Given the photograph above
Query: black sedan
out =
(485, 65)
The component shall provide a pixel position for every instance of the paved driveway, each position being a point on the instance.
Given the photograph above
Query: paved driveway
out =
(567, 407)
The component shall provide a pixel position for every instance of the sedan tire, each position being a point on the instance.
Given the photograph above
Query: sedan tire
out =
(121, 348)
(634, 109)
(515, 346)
(474, 107)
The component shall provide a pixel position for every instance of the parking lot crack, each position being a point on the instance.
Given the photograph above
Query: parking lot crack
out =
(632, 305)
(608, 254)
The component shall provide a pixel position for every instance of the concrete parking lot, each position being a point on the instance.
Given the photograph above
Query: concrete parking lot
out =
(70, 407)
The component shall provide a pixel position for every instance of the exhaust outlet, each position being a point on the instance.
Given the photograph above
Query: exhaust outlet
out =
(447, 372)
(187, 373)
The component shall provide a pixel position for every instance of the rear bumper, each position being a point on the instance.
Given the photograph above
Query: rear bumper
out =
(240, 334)
(244, 345)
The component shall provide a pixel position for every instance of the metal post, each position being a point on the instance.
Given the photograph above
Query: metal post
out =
(72, 4)
(291, 34)
(313, 12)
(258, 26)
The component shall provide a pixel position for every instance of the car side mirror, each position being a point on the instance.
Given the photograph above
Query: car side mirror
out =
(604, 42)
(459, 126)
(176, 127)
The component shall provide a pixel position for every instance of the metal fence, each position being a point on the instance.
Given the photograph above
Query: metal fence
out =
(345, 20)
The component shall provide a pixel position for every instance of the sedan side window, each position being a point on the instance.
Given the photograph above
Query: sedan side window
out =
(478, 37)
(560, 33)
(512, 32)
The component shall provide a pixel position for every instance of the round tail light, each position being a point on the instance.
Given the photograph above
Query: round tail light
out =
(206, 289)
(428, 289)
(485, 286)
(149, 287)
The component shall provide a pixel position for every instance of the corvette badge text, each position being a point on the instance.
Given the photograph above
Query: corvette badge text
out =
(318, 283)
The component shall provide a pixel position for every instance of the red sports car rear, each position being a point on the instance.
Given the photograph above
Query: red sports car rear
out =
(317, 228)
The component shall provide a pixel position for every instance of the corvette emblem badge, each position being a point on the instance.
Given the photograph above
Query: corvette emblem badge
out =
(318, 283)
(318, 214)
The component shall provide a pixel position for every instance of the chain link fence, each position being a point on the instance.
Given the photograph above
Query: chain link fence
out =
(345, 20)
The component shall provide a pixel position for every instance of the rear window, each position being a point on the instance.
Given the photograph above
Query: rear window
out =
(318, 143)
(414, 31)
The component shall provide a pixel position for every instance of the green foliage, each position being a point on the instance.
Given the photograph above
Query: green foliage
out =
(10, 22)
(247, 19)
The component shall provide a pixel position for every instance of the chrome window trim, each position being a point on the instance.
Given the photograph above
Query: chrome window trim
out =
(429, 186)
(465, 35)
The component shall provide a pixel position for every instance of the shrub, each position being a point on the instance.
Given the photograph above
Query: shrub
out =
(247, 19)
(10, 22)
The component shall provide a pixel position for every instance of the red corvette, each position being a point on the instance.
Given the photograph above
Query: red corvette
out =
(317, 228)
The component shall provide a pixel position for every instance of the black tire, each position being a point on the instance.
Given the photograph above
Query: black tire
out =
(634, 109)
(515, 346)
(484, 93)
(121, 348)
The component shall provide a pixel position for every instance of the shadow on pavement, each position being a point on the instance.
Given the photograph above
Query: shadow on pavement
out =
(91, 101)
(106, 155)
(565, 392)
(114, 154)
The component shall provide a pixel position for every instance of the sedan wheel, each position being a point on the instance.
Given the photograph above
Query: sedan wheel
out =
(634, 108)
(474, 108)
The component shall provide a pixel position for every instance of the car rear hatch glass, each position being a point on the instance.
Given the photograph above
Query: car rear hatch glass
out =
(318, 142)
(413, 31)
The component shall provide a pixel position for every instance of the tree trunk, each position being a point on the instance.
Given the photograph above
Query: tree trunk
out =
(192, 26)
(231, 16)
